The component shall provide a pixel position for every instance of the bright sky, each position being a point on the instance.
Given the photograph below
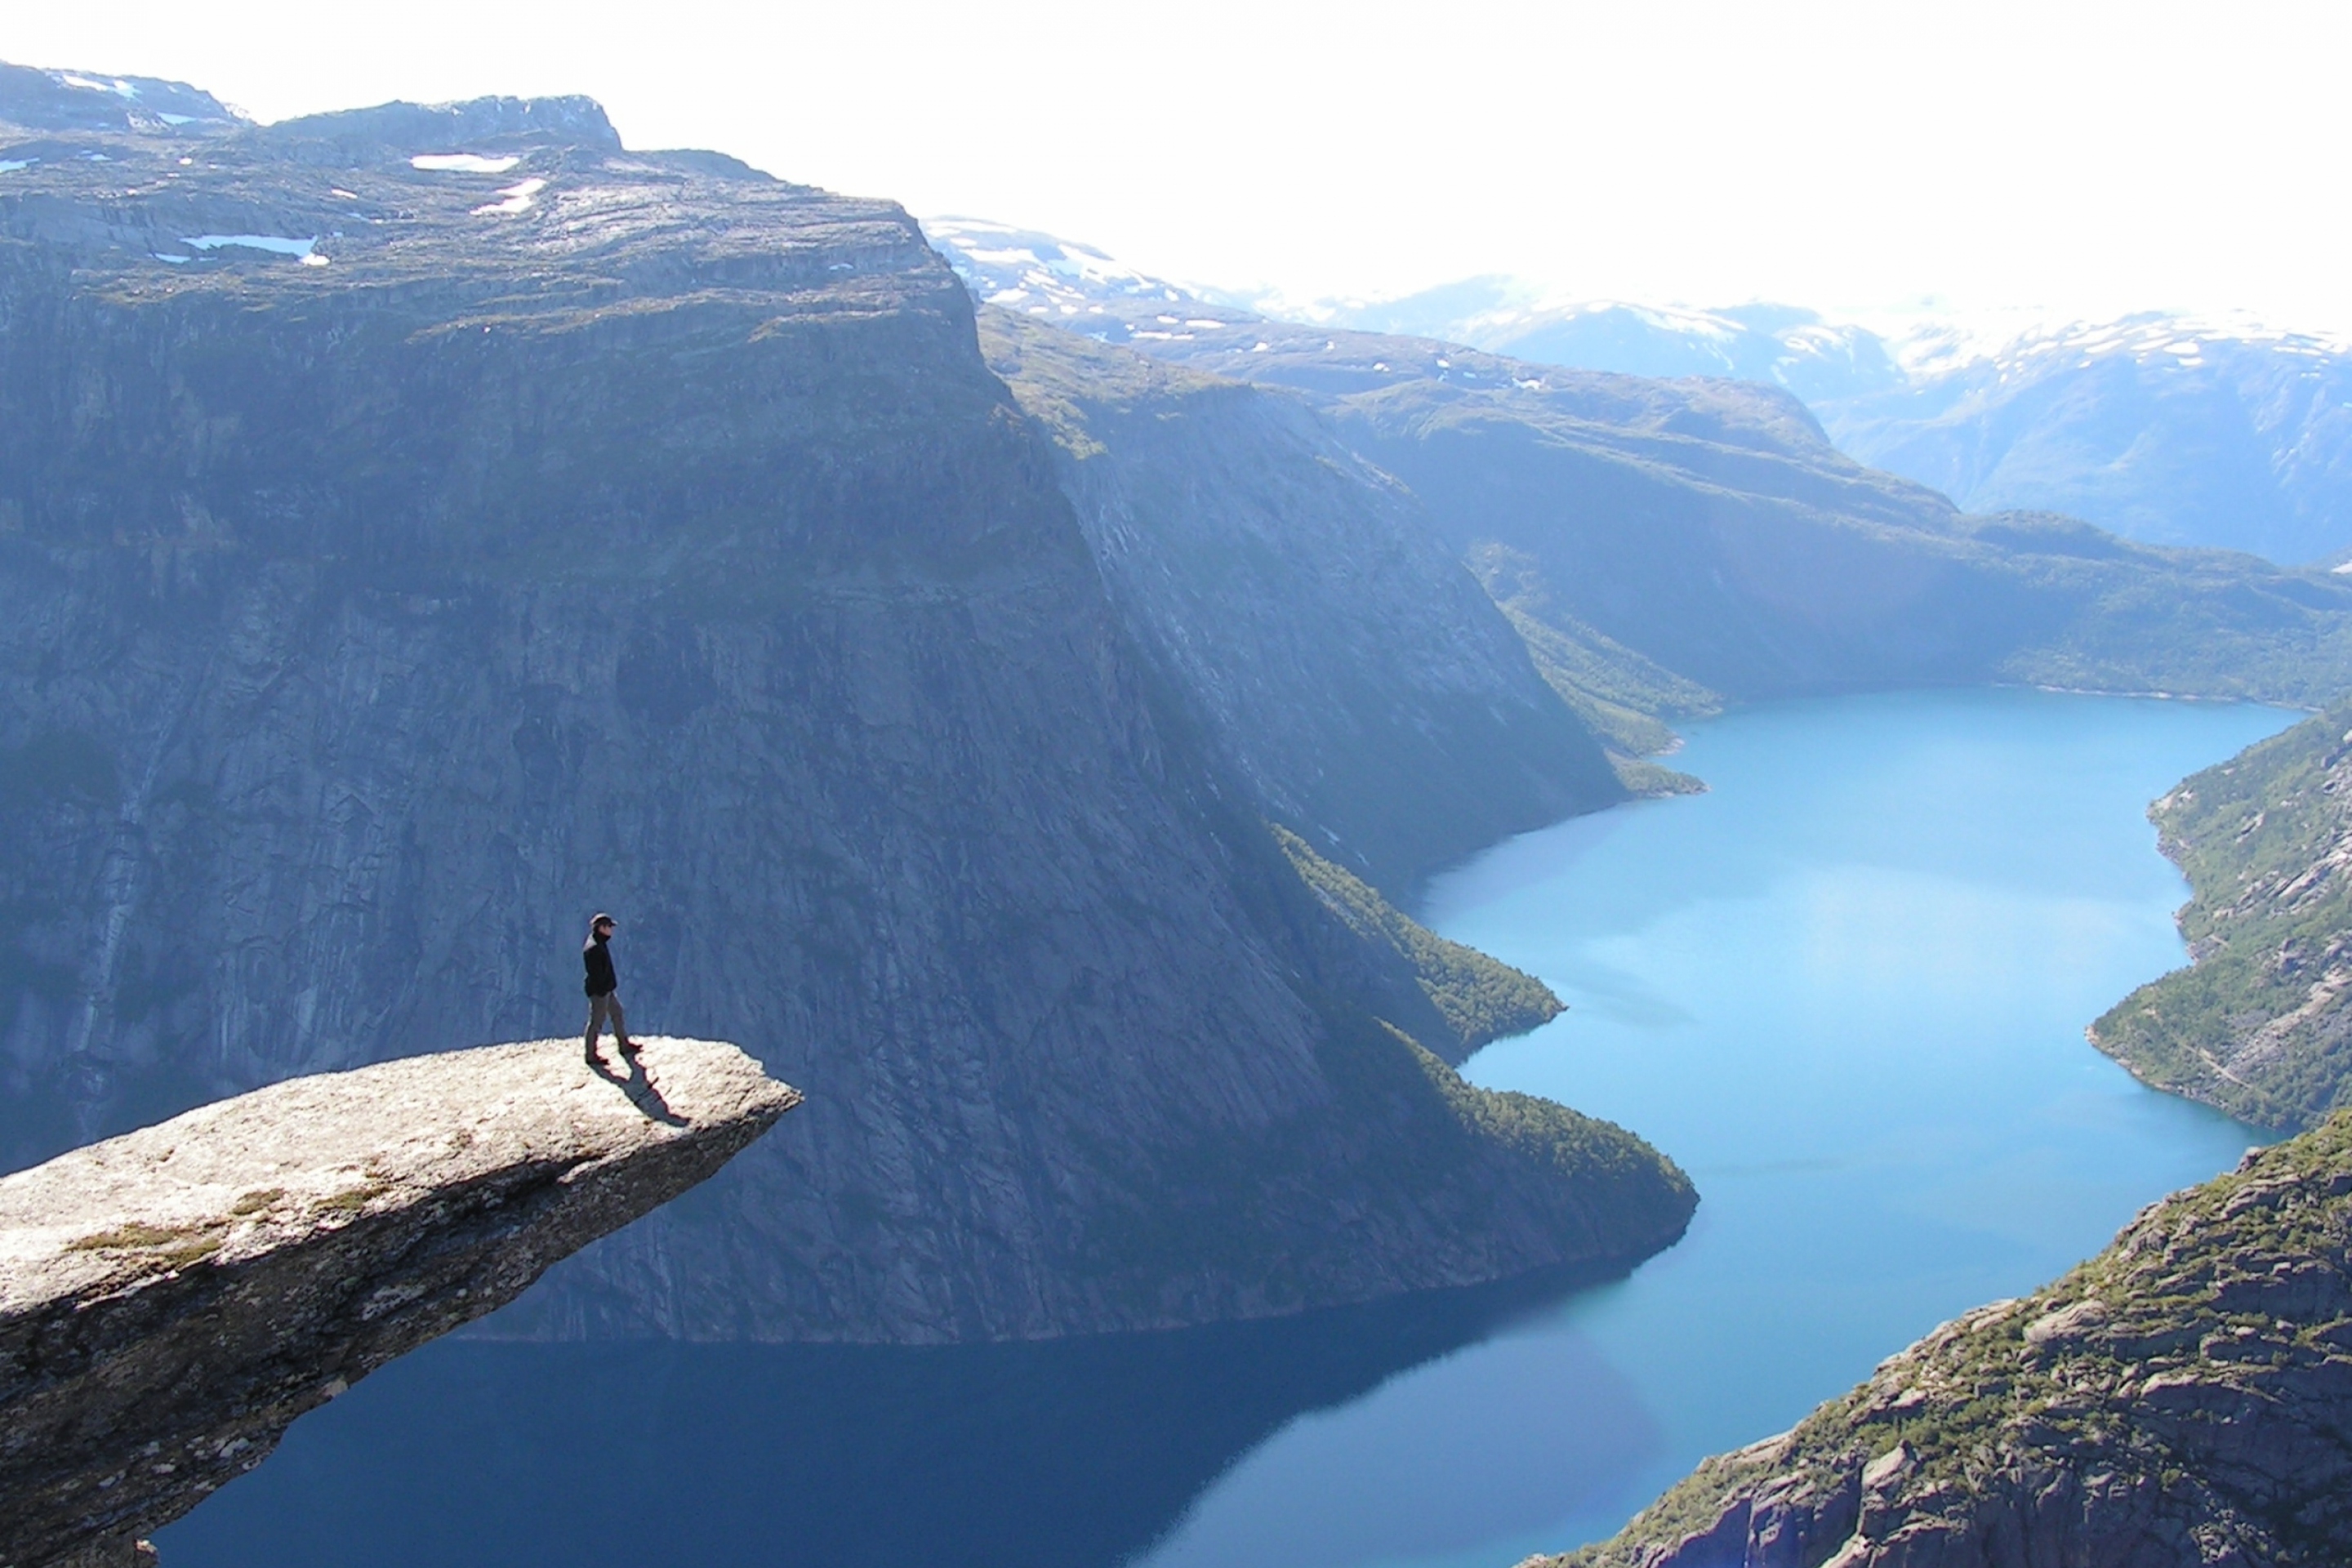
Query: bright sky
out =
(2079, 159)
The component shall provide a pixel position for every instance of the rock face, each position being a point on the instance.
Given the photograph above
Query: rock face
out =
(1452, 998)
(2183, 1398)
(423, 527)
(1346, 663)
(172, 1299)
(2261, 1022)
(1709, 527)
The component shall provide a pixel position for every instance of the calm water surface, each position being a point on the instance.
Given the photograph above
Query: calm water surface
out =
(1846, 989)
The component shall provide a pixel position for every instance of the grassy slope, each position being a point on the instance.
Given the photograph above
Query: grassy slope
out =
(1624, 1193)
(1621, 697)
(2193, 1376)
(1479, 998)
(2259, 1025)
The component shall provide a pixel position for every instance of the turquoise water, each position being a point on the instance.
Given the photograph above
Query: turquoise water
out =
(1846, 989)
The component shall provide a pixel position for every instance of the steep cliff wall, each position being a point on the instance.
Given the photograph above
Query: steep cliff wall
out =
(2183, 1398)
(171, 1300)
(1708, 529)
(1342, 657)
(1452, 998)
(408, 547)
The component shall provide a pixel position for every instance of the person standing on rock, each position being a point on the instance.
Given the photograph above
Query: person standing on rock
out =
(604, 989)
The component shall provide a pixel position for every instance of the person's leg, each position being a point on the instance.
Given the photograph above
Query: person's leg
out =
(596, 1006)
(620, 1024)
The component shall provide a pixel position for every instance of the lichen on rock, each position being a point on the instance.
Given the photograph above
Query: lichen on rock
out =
(172, 1299)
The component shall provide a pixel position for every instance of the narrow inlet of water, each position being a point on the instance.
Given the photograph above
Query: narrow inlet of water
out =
(1846, 989)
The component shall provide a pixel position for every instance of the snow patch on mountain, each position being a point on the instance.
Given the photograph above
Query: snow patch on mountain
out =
(1024, 269)
(2168, 427)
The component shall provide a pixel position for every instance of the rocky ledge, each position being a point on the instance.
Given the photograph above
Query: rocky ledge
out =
(171, 1300)
(2184, 1397)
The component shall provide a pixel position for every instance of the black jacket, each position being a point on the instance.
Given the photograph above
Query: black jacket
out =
(599, 959)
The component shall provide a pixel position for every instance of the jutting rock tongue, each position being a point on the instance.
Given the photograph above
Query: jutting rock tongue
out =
(171, 1300)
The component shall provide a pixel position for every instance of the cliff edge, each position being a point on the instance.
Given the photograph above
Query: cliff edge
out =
(172, 1299)
(299, 666)
(2183, 1398)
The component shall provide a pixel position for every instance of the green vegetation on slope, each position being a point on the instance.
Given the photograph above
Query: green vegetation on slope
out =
(2180, 1398)
(1354, 674)
(1515, 1175)
(1545, 1132)
(1621, 697)
(1527, 1173)
(2261, 1022)
(1502, 1185)
(1479, 999)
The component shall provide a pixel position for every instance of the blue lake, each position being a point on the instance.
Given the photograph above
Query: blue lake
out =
(1846, 989)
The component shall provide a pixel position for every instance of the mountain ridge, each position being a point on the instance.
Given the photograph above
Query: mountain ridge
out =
(410, 547)
(1709, 528)
(1349, 668)
(2166, 428)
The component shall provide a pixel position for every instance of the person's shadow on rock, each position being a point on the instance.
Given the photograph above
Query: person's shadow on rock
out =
(638, 1086)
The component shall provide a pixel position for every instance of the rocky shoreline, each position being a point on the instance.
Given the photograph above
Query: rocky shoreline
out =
(2184, 1397)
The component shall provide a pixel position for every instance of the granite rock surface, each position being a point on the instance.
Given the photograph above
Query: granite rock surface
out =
(1348, 667)
(171, 1299)
(2184, 1398)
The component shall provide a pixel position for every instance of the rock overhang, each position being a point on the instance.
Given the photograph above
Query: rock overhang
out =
(171, 1299)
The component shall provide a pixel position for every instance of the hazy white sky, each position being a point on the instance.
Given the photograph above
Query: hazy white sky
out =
(2083, 159)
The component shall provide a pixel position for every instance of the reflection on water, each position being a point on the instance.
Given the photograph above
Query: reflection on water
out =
(1072, 1454)
(1846, 989)
(1489, 1444)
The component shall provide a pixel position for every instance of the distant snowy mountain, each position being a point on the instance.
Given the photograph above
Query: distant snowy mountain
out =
(2162, 427)
(1777, 345)
(2158, 427)
(1025, 271)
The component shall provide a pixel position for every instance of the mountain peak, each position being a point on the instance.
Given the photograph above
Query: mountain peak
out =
(1042, 274)
(398, 130)
(43, 100)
